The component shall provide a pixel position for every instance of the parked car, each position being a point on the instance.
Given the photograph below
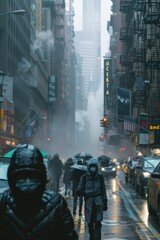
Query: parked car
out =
(153, 192)
(4, 163)
(109, 169)
(143, 171)
(130, 169)
(118, 165)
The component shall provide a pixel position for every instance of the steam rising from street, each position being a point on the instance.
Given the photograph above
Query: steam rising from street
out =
(43, 39)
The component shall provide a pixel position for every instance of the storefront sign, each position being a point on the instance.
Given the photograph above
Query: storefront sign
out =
(143, 129)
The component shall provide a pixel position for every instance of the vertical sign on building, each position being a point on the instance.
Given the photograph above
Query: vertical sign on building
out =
(143, 130)
(52, 89)
(106, 82)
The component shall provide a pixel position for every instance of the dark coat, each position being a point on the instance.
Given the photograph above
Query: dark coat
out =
(55, 168)
(94, 191)
(53, 220)
(67, 171)
(27, 210)
(75, 178)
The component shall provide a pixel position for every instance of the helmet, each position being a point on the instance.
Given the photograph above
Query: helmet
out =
(26, 163)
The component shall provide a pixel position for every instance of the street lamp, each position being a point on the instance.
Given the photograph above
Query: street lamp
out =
(16, 12)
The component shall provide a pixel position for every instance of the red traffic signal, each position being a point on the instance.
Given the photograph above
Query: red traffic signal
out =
(101, 138)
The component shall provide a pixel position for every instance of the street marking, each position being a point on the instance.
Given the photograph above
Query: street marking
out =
(152, 229)
(115, 239)
(113, 223)
(109, 194)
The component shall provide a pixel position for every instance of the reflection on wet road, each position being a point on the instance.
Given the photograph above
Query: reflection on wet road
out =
(117, 222)
(148, 227)
(126, 217)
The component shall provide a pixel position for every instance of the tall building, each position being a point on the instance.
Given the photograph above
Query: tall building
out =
(15, 62)
(88, 46)
(24, 59)
(137, 71)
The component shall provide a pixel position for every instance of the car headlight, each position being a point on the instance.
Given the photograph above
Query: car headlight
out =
(103, 169)
(114, 169)
(146, 174)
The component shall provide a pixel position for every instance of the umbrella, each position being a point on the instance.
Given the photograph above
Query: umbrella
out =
(79, 167)
(104, 158)
(10, 153)
(83, 155)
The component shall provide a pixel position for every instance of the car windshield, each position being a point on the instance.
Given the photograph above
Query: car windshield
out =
(4, 163)
(151, 163)
(3, 170)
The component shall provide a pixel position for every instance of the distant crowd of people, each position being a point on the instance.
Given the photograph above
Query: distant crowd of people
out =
(86, 186)
(71, 178)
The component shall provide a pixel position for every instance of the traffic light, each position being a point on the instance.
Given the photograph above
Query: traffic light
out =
(104, 122)
(101, 138)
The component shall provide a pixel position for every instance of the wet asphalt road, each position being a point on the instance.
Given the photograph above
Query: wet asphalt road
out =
(126, 217)
(148, 226)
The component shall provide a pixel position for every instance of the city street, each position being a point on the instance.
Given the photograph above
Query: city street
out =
(126, 217)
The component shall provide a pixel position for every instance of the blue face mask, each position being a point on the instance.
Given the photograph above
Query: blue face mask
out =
(93, 169)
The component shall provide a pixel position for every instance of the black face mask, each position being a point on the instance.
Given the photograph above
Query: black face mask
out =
(27, 186)
(28, 191)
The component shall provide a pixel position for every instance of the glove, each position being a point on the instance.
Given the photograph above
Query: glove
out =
(105, 207)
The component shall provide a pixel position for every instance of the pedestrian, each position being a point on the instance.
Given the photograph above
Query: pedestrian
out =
(92, 187)
(75, 178)
(55, 167)
(27, 209)
(67, 176)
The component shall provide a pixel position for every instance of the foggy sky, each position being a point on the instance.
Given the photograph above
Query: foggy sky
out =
(105, 16)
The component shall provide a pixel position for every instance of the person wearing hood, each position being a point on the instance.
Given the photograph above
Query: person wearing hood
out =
(92, 187)
(75, 178)
(67, 176)
(55, 168)
(27, 209)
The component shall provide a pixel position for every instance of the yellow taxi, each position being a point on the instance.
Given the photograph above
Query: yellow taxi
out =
(153, 192)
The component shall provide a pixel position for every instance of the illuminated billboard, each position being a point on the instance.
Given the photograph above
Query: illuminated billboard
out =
(106, 81)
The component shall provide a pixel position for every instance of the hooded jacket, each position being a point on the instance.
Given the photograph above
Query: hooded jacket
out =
(45, 216)
(92, 187)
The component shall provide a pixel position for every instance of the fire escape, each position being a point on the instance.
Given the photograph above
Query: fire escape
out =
(126, 79)
(59, 51)
(151, 18)
(139, 56)
(139, 31)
